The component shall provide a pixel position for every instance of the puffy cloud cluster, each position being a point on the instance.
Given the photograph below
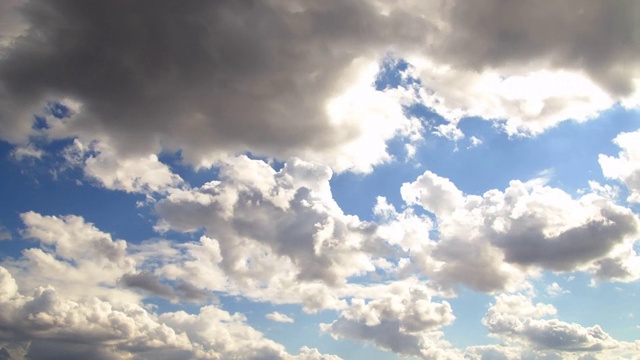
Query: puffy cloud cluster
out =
(133, 174)
(73, 255)
(515, 318)
(70, 299)
(273, 233)
(491, 242)
(309, 257)
(404, 322)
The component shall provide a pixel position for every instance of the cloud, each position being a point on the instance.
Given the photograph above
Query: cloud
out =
(491, 242)
(182, 291)
(516, 318)
(442, 197)
(83, 314)
(74, 255)
(404, 323)
(625, 167)
(290, 78)
(205, 84)
(555, 290)
(279, 317)
(4, 233)
(275, 232)
(573, 35)
(27, 152)
(531, 67)
(45, 315)
(132, 174)
(493, 352)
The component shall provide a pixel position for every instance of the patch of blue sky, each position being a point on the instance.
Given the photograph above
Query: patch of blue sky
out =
(613, 306)
(467, 330)
(54, 190)
(390, 74)
(58, 110)
(194, 178)
(568, 153)
(39, 123)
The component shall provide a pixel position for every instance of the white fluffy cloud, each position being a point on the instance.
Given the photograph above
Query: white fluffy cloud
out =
(97, 329)
(405, 323)
(102, 164)
(72, 298)
(515, 318)
(73, 255)
(625, 167)
(490, 242)
(275, 233)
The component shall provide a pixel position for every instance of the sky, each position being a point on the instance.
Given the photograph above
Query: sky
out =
(319, 179)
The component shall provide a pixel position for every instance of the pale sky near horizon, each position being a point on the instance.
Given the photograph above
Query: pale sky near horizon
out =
(319, 179)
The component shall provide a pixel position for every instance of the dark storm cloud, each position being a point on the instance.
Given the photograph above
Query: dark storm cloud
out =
(599, 37)
(213, 77)
(205, 76)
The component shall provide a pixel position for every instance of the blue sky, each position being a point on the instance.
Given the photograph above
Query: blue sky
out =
(319, 180)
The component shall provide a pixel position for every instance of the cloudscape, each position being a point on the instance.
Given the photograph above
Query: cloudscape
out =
(319, 179)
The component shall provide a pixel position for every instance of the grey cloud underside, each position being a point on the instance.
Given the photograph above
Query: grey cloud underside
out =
(200, 76)
(212, 77)
(564, 252)
(149, 282)
(598, 37)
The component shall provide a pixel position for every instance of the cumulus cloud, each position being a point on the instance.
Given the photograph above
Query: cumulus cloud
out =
(46, 315)
(493, 352)
(516, 318)
(63, 302)
(133, 174)
(74, 255)
(491, 242)
(625, 167)
(405, 323)
(60, 328)
(276, 229)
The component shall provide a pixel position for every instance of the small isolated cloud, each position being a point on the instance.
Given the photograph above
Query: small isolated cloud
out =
(5, 234)
(279, 317)
(474, 142)
(554, 289)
